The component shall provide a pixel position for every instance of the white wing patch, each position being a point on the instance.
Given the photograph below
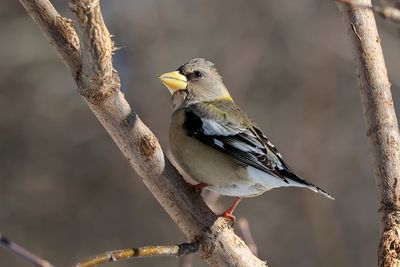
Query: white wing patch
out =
(253, 148)
(212, 127)
(218, 143)
(245, 147)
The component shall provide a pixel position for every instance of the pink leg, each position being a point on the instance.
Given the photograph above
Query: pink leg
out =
(228, 213)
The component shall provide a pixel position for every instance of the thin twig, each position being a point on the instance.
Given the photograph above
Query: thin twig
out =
(23, 252)
(247, 236)
(381, 123)
(386, 12)
(142, 252)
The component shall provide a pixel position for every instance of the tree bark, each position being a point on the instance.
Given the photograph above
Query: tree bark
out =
(381, 123)
(89, 57)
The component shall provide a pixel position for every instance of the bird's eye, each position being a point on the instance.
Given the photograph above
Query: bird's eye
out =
(197, 74)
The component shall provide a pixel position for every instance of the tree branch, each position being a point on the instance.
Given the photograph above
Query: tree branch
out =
(23, 252)
(58, 30)
(386, 12)
(98, 78)
(142, 252)
(381, 122)
(99, 84)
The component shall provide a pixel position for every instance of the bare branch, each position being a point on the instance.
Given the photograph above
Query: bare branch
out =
(381, 122)
(386, 12)
(99, 84)
(23, 252)
(142, 252)
(98, 79)
(211, 198)
(58, 30)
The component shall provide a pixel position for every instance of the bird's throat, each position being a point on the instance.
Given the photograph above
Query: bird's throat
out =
(178, 99)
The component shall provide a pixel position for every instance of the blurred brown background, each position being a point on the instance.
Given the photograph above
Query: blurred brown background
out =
(66, 192)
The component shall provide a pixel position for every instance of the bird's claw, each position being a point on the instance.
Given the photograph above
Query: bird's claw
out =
(228, 216)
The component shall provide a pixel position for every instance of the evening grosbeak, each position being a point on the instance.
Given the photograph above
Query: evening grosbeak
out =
(216, 143)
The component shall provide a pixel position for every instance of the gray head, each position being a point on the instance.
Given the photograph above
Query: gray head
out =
(196, 81)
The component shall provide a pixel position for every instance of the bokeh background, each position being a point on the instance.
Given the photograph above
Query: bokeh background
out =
(66, 191)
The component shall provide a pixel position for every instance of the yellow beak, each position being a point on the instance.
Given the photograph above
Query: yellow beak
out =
(174, 81)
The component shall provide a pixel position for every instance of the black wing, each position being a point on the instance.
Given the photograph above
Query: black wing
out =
(245, 144)
(227, 129)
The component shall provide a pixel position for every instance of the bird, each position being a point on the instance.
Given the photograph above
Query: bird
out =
(217, 144)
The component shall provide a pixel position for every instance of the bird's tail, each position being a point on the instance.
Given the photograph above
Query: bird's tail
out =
(319, 190)
(304, 183)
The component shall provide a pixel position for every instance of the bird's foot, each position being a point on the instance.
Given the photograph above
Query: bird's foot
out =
(228, 213)
(228, 216)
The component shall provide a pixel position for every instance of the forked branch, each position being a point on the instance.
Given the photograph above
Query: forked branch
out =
(91, 64)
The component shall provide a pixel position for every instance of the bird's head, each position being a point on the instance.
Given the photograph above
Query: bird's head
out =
(195, 81)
